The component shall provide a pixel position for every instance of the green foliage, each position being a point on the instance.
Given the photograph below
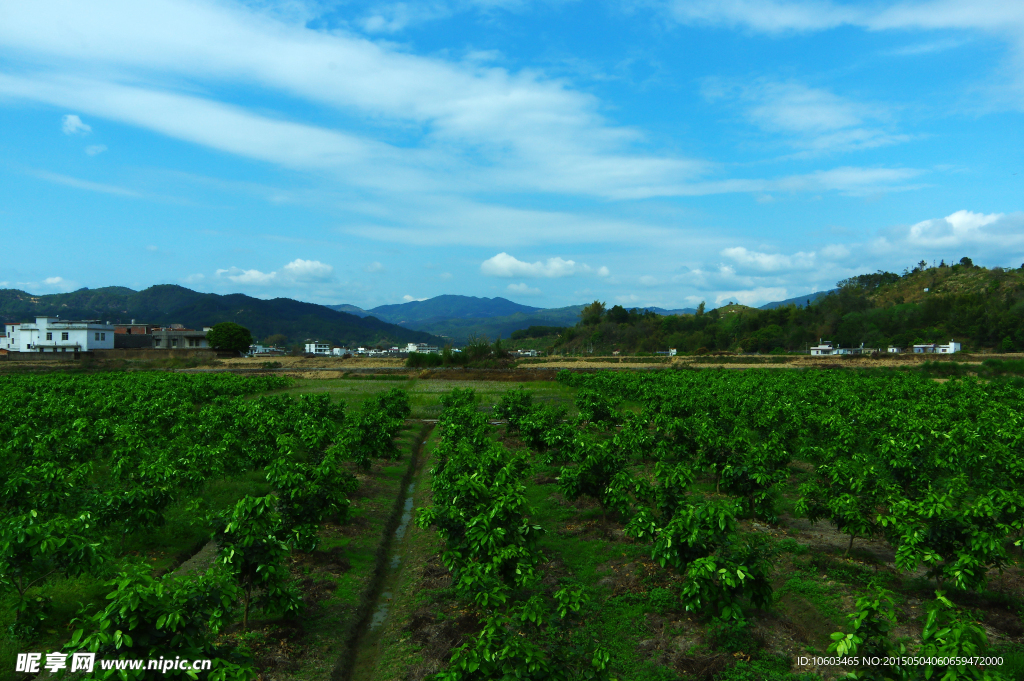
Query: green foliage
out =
(33, 549)
(423, 360)
(515, 406)
(537, 332)
(978, 307)
(947, 633)
(870, 627)
(594, 407)
(699, 541)
(371, 434)
(253, 553)
(230, 337)
(731, 635)
(591, 314)
(308, 494)
(600, 474)
(152, 618)
(491, 547)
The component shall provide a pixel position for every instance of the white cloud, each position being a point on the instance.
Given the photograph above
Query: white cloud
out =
(71, 124)
(194, 278)
(296, 272)
(374, 267)
(769, 262)
(53, 281)
(94, 149)
(529, 130)
(996, 236)
(996, 17)
(955, 228)
(505, 265)
(407, 298)
(835, 252)
(252, 277)
(307, 270)
(523, 289)
(648, 280)
(752, 297)
(603, 271)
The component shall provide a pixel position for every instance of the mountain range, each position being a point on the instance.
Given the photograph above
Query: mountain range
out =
(170, 304)
(446, 318)
(459, 318)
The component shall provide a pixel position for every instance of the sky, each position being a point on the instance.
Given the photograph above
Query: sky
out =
(637, 152)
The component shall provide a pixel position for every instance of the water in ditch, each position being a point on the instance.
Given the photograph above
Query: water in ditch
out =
(380, 613)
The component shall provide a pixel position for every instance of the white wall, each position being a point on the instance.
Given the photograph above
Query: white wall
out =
(64, 336)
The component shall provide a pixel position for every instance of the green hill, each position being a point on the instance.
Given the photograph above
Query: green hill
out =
(170, 304)
(460, 330)
(983, 309)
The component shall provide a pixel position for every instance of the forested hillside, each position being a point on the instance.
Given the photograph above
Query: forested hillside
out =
(170, 304)
(978, 307)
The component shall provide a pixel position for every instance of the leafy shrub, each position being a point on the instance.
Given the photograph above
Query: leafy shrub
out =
(423, 360)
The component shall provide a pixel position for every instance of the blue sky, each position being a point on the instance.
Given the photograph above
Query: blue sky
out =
(636, 152)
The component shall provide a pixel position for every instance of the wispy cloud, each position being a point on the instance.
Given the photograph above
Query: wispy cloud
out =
(523, 289)
(94, 149)
(77, 183)
(813, 120)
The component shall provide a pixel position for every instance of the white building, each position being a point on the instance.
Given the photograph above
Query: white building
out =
(52, 334)
(895, 350)
(265, 351)
(421, 347)
(339, 352)
(318, 348)
(929, 348)
(824, 347)
(10, 338)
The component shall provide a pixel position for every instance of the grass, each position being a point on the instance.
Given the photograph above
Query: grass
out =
(391, 652)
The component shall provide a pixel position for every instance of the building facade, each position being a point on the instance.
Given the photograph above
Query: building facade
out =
(177, 337)
(929, 348)
(318, 348)
(53, 334)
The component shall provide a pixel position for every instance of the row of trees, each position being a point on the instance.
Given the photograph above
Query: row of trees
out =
(491, 547)
(91, 463)
(944, 488)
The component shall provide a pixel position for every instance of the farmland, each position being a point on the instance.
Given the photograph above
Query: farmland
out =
(656, 525)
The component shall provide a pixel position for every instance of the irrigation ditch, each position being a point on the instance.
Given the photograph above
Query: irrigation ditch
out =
(359, 648)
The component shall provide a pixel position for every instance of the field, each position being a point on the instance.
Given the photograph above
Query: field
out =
(631, 525)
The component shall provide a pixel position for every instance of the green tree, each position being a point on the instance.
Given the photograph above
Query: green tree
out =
(276, 340)
(592, 313)
(32, 550)
(166, 617)
(229, 336)
(251, 549)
